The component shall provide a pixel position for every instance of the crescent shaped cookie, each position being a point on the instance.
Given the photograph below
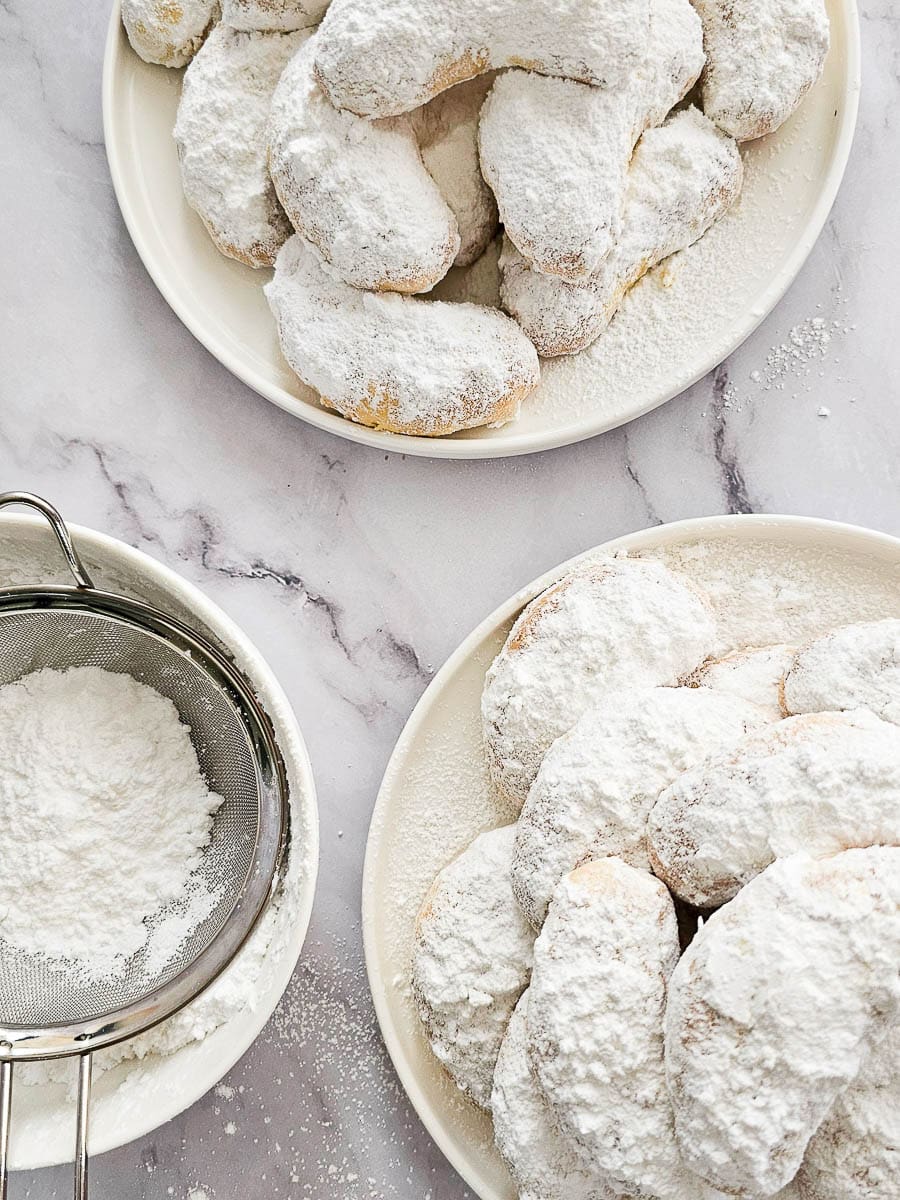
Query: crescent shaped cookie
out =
(220, 135)
(607, 624)
(683, 177)
(358, 190)
(165, 33)
(471, 961)
(855, 1153)
(856, 666)
(774, 1008)
(544, 1165)
(755, 674)
(763, 56)
(537, 130)
(598, 782)
(391, 58)
(394, 362)
(595, 1023)
(818, 783)
(273, 16)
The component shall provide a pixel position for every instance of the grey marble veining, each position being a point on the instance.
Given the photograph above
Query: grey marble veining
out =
(356, 573)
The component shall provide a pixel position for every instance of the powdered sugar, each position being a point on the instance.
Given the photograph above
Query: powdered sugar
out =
(754, 674)
(395, 58)
(762, 58)
(773, 1009)
(168, 34)
(281, 16)
(537, 130)
(395, 362)
(357, 189)
(609, 624)
(103, 817)
(598, 782)
(220, 134)
(818, 783)
(471, 961)
(683, 177)
(854, 667)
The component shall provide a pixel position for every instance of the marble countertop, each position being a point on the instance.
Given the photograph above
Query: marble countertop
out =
(356, 572)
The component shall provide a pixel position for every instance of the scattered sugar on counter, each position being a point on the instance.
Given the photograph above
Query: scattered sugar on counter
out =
(104, 814)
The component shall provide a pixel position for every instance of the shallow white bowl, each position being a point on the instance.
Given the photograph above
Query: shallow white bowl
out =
(123, 1106)
(436, 795)
(672, 329)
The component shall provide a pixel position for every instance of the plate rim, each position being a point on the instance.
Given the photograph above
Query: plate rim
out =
(476, 447)
(201, 606)
(644, 538)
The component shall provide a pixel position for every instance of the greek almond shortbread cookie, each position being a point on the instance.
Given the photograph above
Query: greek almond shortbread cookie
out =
(609, 623)
(819, 783)
(220, 134)
(774, 1008)
(274, 16)
(683, 177)
(856, 666)
(754, 674)
(471, 961)
(395, 362)
(762, 58)
(598, 782)
(390, 204)
(855, 1154)
(544, 1164)
(382, 59)
(168, 32)
(556, 152)
(595, 1024)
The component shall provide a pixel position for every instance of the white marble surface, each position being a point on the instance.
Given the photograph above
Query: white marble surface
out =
(356, 572)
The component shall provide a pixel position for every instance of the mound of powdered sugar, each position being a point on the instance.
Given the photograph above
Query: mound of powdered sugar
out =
(104, 814)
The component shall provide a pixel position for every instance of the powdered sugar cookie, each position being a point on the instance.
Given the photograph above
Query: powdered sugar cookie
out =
(762, 58)
(447, 133)
(607, 624)
(471, 961)
(754, 674)
(220, 134)
(537, 131)
(168, 33)
(857, 666)
(855, 1153)
(774, 1008)
(818, 783)
(393, 362)
(595, 1023)
(543, 1163)
(598, 782)
(358, 190)
(273, 16)
(391, 58)
(683, 177)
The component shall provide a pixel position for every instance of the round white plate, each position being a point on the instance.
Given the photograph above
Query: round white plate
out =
(436, 797)
(677, 325)
(133, 1098)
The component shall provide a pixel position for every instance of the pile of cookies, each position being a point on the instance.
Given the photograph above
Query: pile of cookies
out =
(367, 156)
(676, 975)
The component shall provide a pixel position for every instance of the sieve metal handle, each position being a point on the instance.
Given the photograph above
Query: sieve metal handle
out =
(58, 525)
(81, 1124)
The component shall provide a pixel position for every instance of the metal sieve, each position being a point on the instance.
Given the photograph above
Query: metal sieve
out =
(48, 1008)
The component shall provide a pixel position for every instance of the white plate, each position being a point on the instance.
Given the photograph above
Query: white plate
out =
(436, 796)
(663, 340)
(130, 1100)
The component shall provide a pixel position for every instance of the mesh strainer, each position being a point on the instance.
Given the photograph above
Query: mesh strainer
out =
(47, 1009)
